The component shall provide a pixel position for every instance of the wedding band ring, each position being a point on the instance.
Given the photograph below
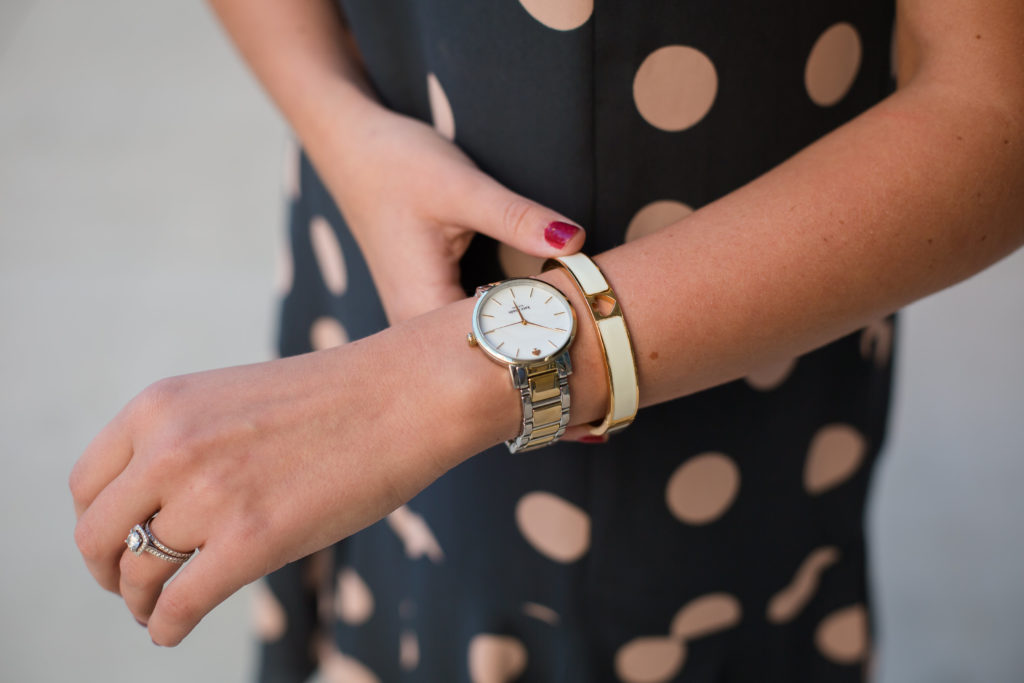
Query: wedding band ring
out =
(141, 538)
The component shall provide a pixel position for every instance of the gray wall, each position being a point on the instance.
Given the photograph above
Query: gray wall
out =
(140, 212)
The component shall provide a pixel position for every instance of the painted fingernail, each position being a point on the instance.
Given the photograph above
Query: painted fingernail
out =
(593, 439)
(558, 234)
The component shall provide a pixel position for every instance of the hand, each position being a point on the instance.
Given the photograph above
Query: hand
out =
(258, 465)
(413, 201)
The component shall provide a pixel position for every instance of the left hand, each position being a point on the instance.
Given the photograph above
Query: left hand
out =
(256, 465)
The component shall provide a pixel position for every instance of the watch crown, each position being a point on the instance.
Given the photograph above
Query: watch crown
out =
(470, 339)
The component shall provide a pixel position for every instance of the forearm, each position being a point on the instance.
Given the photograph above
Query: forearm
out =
(916, 194)
(304, 58)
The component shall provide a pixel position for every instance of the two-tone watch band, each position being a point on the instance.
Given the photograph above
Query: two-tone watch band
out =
(544, 391)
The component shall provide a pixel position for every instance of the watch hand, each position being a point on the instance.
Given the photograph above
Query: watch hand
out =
(553, 329)
(502, 326)
(517, 308)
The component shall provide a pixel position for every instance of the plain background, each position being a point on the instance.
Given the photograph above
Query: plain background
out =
(141, 210)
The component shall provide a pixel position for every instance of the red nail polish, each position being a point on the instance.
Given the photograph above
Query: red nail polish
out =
(593, 439)
(558, 234)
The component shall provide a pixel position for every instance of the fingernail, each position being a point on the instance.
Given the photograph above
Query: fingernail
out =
(593, 439)
(558, 234)
(141, 623)
(156, 643)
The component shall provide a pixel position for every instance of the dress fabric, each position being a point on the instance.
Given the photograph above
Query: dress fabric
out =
(718, 539)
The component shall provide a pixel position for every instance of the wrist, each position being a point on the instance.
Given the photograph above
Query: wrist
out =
(457, 399)
(588, 386)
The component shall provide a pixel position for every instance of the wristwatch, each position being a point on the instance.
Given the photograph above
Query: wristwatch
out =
(529, 325)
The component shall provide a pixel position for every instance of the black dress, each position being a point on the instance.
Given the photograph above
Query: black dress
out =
(721, 537)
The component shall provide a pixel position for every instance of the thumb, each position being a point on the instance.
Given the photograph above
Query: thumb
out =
(521, 223)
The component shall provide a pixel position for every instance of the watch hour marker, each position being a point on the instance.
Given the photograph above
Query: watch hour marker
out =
(559, 313)
(552, 343)
(517, 351)
(531, 292)
(500, 345)
(485, 315)
(549, 298)
(495, 300)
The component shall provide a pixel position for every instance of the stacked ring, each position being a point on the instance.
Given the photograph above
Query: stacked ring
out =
(141, 538)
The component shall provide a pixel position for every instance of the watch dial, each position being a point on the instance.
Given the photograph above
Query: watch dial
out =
(524, 320)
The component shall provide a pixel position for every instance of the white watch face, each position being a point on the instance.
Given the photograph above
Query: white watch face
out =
(523, 320)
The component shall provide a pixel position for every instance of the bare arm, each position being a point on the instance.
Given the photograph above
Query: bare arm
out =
(291, 455)
(919, 192)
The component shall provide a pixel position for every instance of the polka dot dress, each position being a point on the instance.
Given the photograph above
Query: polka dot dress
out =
(721, 537)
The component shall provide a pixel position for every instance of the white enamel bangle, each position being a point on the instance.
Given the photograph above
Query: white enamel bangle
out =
(619, 362)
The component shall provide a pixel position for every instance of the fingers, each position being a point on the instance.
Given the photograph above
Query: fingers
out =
(104, 458)
(142, 576)
(494, 210)
(581, 433)
(104, 525)
(208, 579)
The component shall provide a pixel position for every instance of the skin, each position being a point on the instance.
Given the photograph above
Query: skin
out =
(261, 464)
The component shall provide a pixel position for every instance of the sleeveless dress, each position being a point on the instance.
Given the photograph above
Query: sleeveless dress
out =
(721, 537)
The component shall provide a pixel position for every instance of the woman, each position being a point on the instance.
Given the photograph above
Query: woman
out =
(720, 537)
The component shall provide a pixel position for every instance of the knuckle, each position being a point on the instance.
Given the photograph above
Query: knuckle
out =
(77, 484)
(87, 541)
(158, 397)
(178, 609)
(516, 218)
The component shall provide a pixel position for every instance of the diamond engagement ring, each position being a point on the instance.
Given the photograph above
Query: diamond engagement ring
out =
(141, 538)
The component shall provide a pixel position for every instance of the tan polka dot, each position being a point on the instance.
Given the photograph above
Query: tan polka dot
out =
(649, 659)
(408, 650)
(655, 216)
(705, 615)
(336, 667)
(440, 108)
(561, 15)
(675, 87)
(832, 64)
(836, 452)
(327, 332)
(771, 376)
(495, 659)
(268, 617)
(788, 602)
(555, 527)
(515, 263)
(292, 169)
(876, 342)
(284, 269)
(415, 534)
(353, 601)
(328, 255)
(703, 488)
(843, 635)
(541, 612)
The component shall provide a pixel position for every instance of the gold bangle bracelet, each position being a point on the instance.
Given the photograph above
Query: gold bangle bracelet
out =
(616, 347)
